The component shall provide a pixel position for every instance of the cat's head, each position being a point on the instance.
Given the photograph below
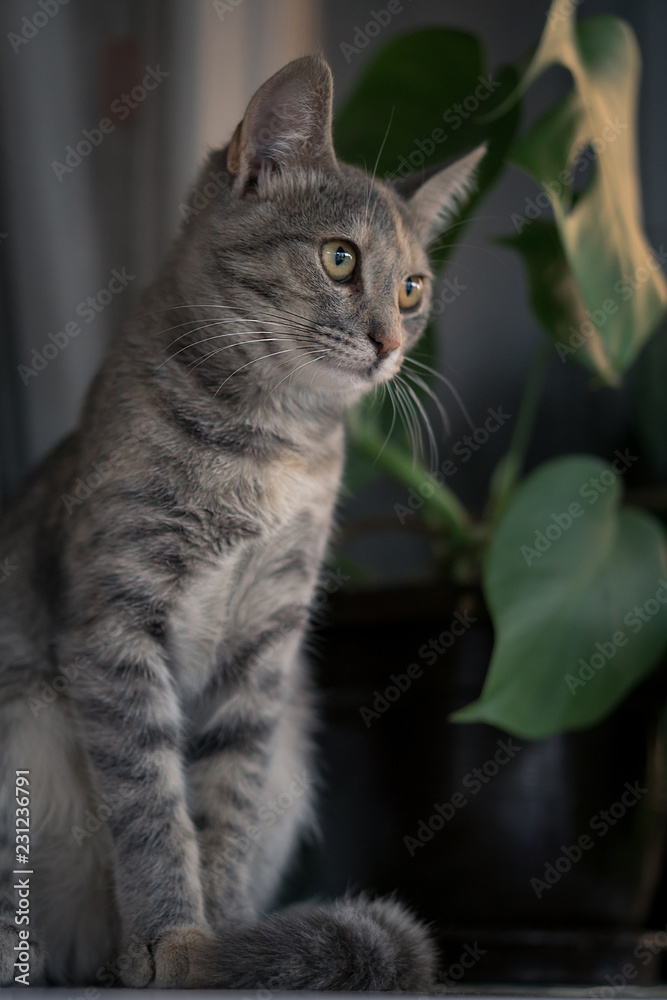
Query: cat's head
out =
(327, 268)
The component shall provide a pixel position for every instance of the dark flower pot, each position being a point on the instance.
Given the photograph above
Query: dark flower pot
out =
(536, 861)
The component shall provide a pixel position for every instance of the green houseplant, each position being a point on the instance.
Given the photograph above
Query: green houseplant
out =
(574, 579)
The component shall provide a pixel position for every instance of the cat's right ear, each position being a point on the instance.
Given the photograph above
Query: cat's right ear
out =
(287, 123)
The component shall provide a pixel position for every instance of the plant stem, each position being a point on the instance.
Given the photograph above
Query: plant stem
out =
(513, 462)
(442, 502)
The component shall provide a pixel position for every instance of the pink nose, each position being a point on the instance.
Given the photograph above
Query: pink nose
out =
(385, 341)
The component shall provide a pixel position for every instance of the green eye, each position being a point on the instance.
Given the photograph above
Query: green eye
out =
(411, 291)
(339, 259)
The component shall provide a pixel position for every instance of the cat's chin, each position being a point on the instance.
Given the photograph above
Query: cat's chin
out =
(383, 369)
(358, 377)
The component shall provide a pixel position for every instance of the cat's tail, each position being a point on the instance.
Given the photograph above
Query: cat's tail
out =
(352, 944)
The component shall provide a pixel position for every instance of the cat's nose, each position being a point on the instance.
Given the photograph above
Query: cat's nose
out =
(385, 340)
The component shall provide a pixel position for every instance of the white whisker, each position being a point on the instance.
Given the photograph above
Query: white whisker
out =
(220, 336)
(224, 321)
(370, 186)
(432, 443)
(449, 385)
(425, 387)
(393, 420)
(407, 416)
(240, 344)
(272, 354)
(184, 305)
(322, 351)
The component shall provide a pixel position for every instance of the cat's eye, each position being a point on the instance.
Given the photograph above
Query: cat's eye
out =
(411, 291)
(339, 259)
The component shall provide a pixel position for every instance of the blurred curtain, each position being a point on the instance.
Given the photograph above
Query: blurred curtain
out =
(138, 92)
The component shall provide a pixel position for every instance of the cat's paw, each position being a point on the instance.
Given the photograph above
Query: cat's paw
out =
(9, 941)
(173, 959)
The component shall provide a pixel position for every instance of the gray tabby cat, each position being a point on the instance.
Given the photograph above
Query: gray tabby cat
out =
(151, 676)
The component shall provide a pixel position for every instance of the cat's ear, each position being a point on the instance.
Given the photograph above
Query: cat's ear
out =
(437, 195)
(287, 123)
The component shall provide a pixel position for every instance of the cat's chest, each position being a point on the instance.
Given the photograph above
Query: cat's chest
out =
(257, 585)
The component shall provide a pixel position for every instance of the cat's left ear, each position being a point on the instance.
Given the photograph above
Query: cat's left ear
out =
(437, 195)
(287, 123)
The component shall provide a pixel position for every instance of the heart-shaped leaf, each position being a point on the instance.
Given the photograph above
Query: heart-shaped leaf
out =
(577, 588)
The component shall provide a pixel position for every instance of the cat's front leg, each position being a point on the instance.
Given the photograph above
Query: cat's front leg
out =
(128, 721)
(229, 761)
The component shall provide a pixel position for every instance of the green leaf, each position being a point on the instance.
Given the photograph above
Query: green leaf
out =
(560, 661)
(619, 283)
(556, 300)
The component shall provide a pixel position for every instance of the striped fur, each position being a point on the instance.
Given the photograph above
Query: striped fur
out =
(151, 671)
